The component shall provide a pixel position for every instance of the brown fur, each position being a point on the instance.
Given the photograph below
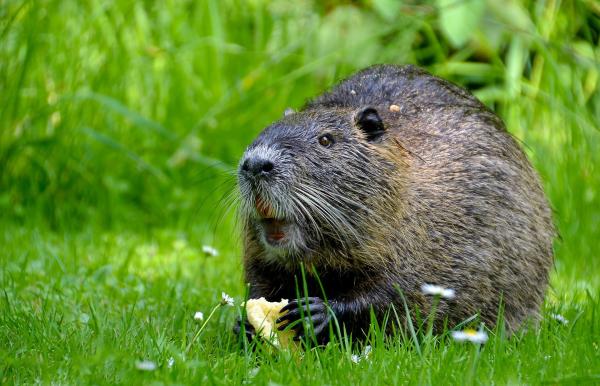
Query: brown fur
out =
(459, 206)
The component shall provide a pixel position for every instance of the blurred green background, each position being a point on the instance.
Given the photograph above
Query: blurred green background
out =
(121, 124)
(133, 114)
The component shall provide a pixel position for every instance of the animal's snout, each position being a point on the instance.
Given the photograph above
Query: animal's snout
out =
(258, 166)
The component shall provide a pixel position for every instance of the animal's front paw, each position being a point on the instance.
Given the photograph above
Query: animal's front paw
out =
(247, 329)
(306, 316)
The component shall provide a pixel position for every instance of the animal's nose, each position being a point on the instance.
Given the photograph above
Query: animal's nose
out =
(258, 166)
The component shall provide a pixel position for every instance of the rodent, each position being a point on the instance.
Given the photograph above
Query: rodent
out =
(393, 179)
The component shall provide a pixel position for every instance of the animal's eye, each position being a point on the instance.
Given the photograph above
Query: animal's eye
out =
(326, 140)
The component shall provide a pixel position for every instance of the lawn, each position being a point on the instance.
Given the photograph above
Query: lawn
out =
(121, 125)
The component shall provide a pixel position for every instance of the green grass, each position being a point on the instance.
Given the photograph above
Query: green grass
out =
(85, 308)
(120, 124)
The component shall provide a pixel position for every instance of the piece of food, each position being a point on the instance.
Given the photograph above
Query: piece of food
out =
(262, 315)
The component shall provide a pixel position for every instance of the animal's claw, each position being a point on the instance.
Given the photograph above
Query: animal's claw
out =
(306, 316)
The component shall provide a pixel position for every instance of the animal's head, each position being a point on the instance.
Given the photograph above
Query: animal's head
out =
(316, 179)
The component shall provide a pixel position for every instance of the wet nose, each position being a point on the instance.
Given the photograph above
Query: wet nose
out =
(258, 166)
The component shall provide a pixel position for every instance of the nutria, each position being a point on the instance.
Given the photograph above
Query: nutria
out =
(394, 179)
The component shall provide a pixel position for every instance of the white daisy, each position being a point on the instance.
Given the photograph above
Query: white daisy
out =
(470, 335)
(364, 356)
(170, 362)
(210, 251)
(437, 290)
(560, 318)
(84, 318)
(198, 316)
(226, 300)
(145, 365)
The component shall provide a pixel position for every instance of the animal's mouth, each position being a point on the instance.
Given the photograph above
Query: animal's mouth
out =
(274, 229)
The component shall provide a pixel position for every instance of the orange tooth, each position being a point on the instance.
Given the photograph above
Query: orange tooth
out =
(264, 209)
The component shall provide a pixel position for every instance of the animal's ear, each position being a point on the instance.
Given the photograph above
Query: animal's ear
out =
(369, 121)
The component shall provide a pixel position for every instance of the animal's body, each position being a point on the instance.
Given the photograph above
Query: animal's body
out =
(391, 180)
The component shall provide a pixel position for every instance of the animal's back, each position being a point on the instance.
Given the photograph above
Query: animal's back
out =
(390, 84)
